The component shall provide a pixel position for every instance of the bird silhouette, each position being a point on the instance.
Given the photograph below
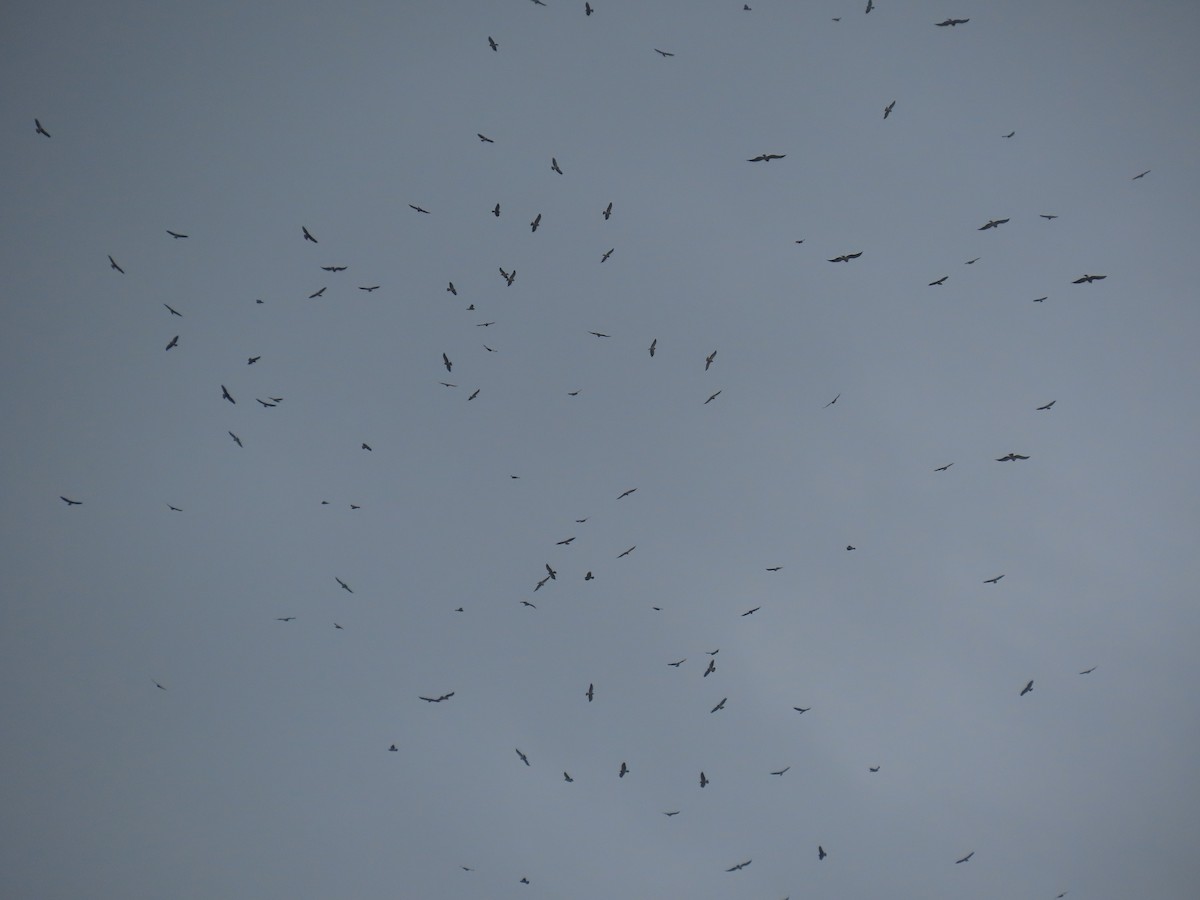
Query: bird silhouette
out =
(345, 587)
(673, 812)
(992, 223)
(437, 699)
(953, 22)
(1011, 133)
(720, 705)
(316, 294)
(70, 502)
(653, 345)
(1047, 217)
(536, 222)
(609, 253)
(802, 709)
(624, 770)
(113, 264)
(524, 758)
(308, 235)
(995, 580)
(941, 280)
(1010, 457)
(607, 212)
(226, 395)
(446, 362)
(708, 360)
(887, 110)
(676, 664)
(1135, 177)
(627, 552)
(38, 129)
(774, 568)
(711, 398)
(554, 165)
(703, 779)
(334, 268)
(1088, 671)
(175, 234)
(373, 287)
(626, 493)
(1088, 279)
(284, 618)
(174, 342)
(662, 52)
(1025, 690)
(831, 402)
(496, 210)
(751, 612)
(173, 311)
(767, 157)
(419, 209)
(237, 440)
(493, 44)
(780, 771)
(712, 667)
(873, 768)
(1047, 406)
(965, 858)
(739, 866)
(567, 778)
(846, 257)
(821, 854)
(484, 139)
(475, 393)
(590, 693)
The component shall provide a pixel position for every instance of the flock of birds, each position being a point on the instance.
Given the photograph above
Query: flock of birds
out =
(548, 574)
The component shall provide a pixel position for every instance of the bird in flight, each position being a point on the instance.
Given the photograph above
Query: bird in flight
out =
(662, 52)
(712, 398)
(872, 768)
(607, 212)
(1011, 133)
(307, 235)
(850, 547)
(564, 542)
(703, 779)
(673, 812)
(567, 778)
(605, 257)
(624, 770)
(587, 9)
(1047, 217)
(802, 709)
(493, 44)
(627, 552)
(175, 234)
(1047, 406)
(70, 502)
(484, 138)
(1010, 457)
(113, 264)
(373, 287)
(1088, 279)
(846, 257)
(590, 693)
(676, 664)
(226, 395)
(1135, 177)
(174, 508)
(345, 587)
(589, 576)
(316, 294)
(419, 209)
(599, 334)
(549, 571)
(172, 310)
(438, 699)
(781, 771)
(174, 342)
(1025, 690)
(952, 22)
(496, 210)
(554, 165)
(995, 580)
(751, 612)
(887, 110)
(708, 360)
(237, 440)
(992, 223)
(712, 667)
(333, 268)
(284, 618)
(767, 157)
(38, 129)
(870, 6)
(965, 858)
(774, 568)
(524, 758)
(1088, 671)
(536, 222)
(739, 866)
(821, 854)
(451, 289)
(626, 493)
(941, 280)
(943, 468)
(446, 362)
(720, 705)
(831, 402)
(653, 344)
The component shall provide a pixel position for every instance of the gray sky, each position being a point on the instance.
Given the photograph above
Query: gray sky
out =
(262, 770)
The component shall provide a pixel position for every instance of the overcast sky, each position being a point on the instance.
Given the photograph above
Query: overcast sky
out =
(262, 769)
